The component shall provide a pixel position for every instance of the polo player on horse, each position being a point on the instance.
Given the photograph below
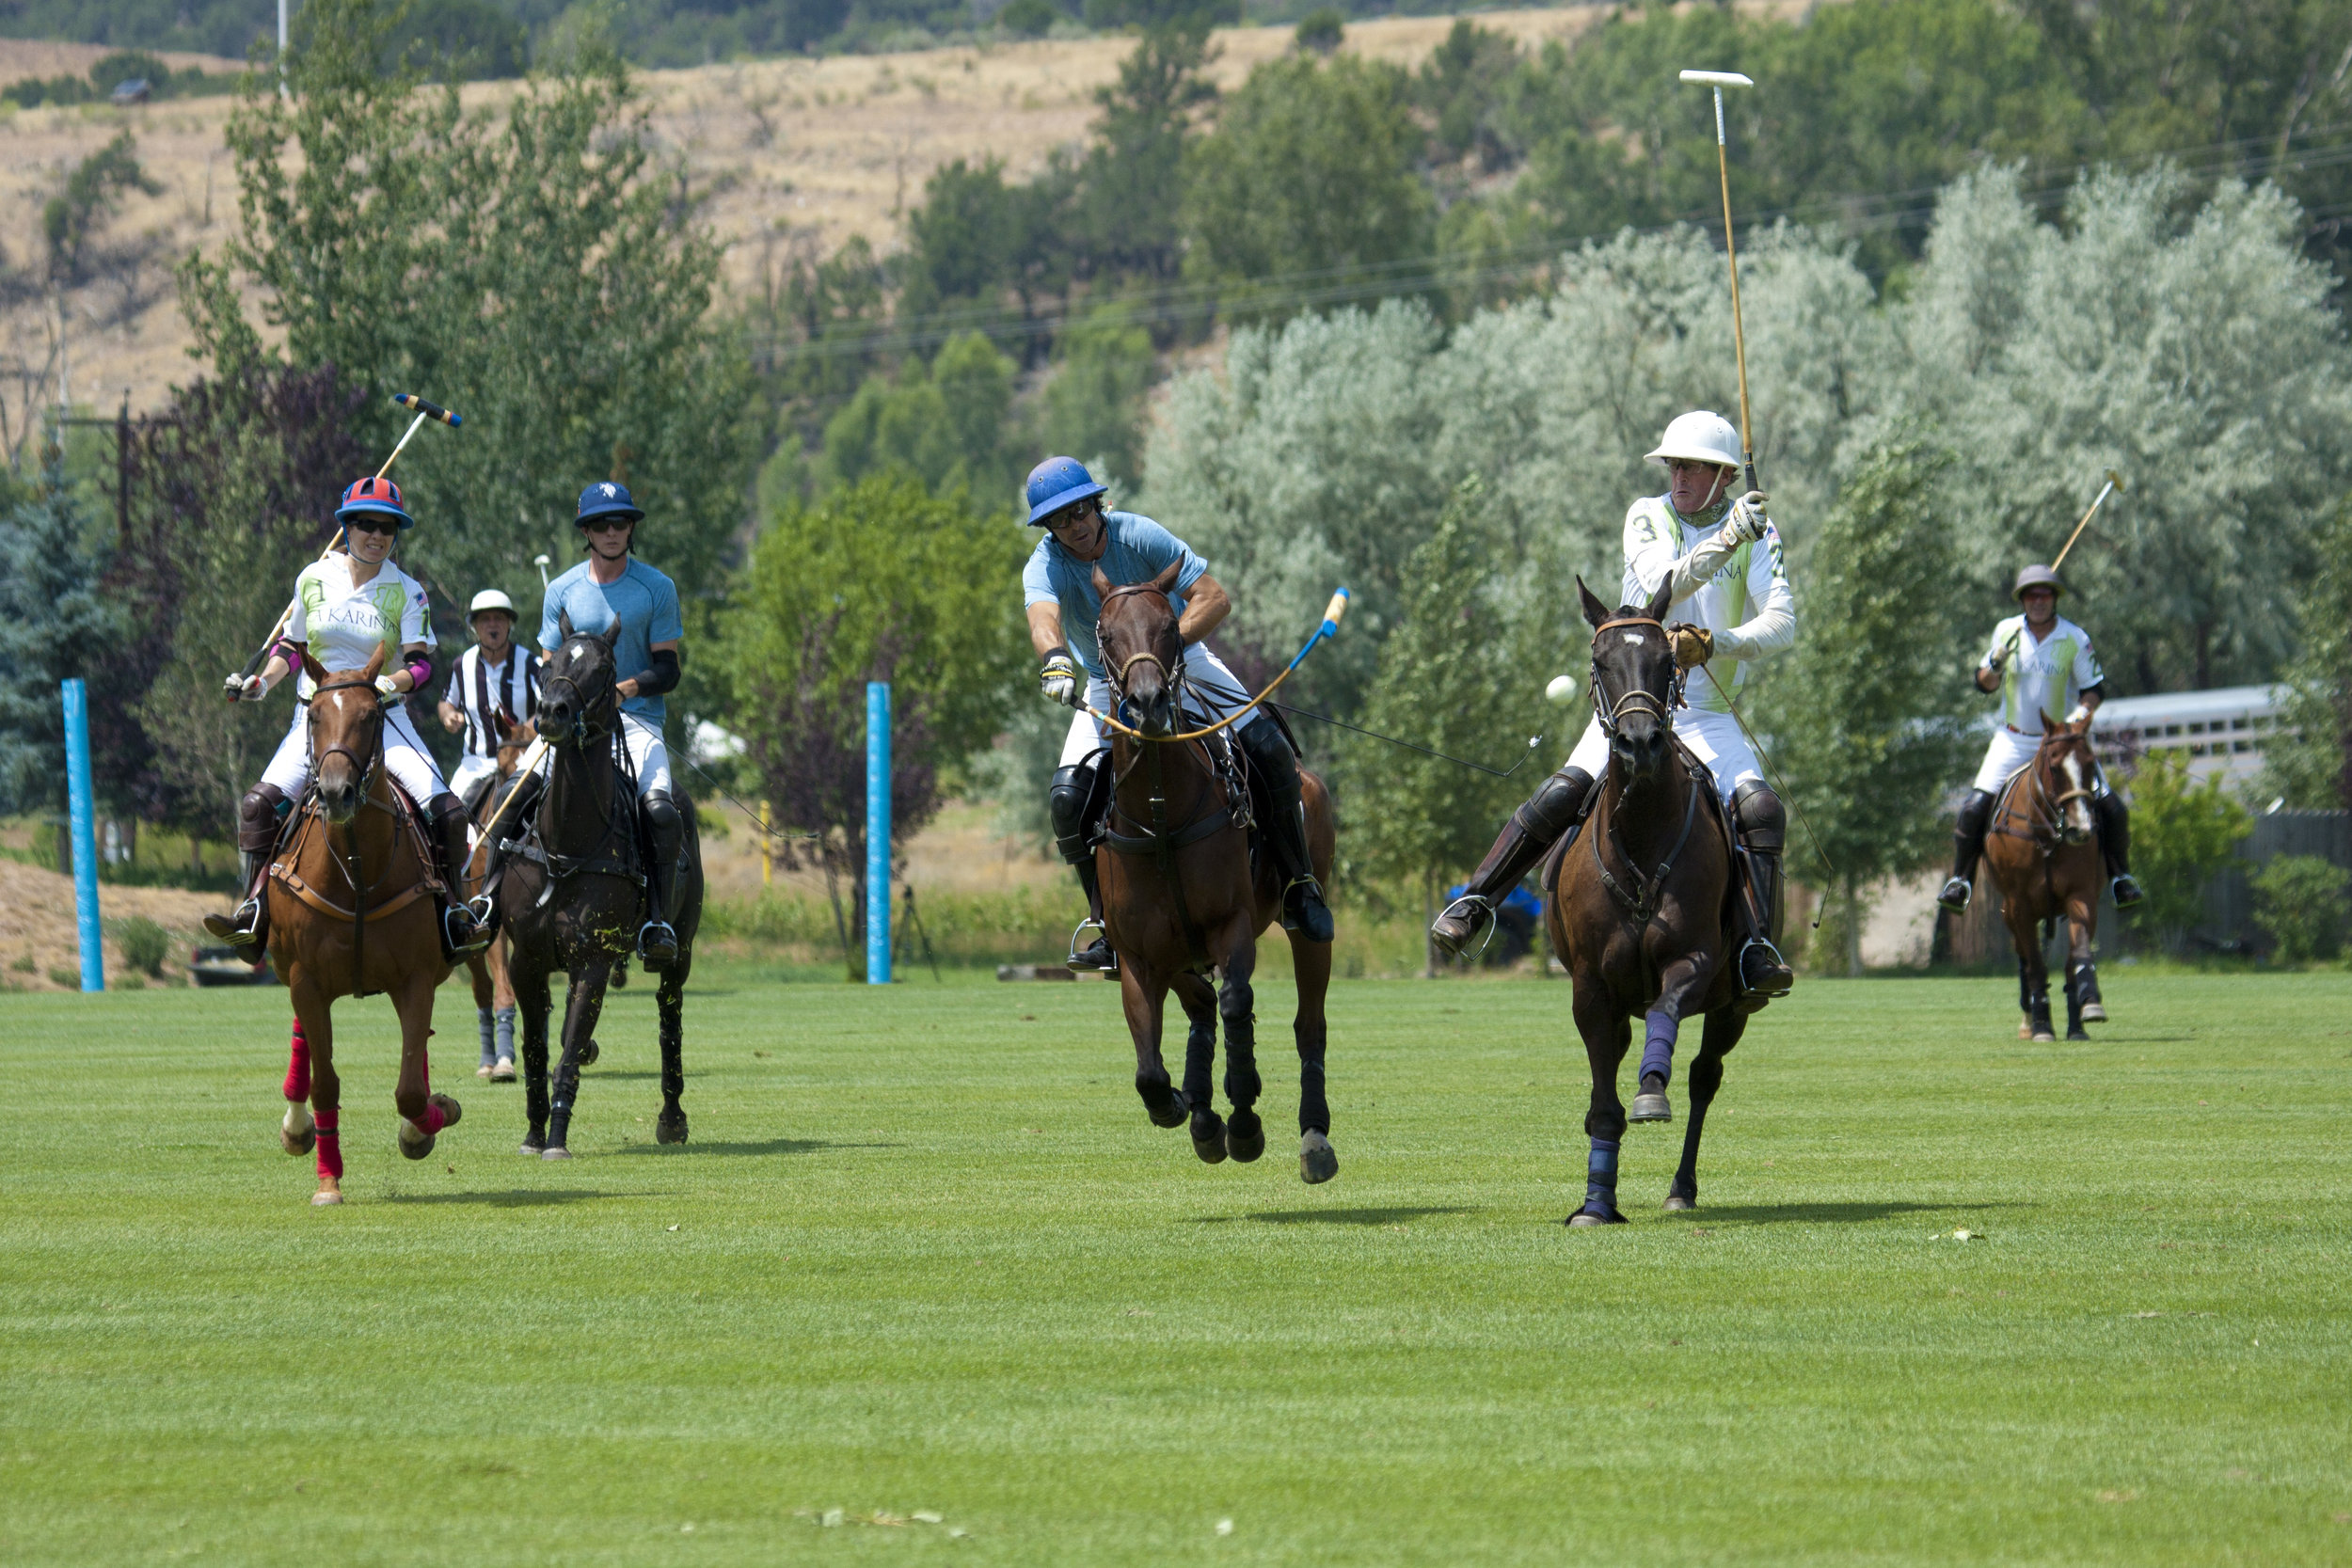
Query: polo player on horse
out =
(2043, 664)
(1723, 559)
(345, 605)
(1058, 591)
(612, 587)
(493, 695)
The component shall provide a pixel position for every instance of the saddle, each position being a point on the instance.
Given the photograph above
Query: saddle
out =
(410, 824)
(1707, 804)
(616, 853)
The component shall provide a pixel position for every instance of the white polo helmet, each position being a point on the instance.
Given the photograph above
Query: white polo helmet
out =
(490, 598)
(1699, 437)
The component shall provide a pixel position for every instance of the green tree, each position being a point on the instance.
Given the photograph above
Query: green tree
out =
(1310, 171)
(2300, 899)
(880, 581)
(2307, 759)
(1094, 403)
(1864, 717)
(93, 192)
(1136, 161)
(948, 425)
(54, 613)
(1448, 680)
(2182, 834)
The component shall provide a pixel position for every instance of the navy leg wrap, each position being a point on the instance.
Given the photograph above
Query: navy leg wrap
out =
(1600, 1177)
(1657, 1051)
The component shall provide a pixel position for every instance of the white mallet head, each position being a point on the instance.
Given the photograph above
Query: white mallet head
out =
(1718, 78)
(1561, 691)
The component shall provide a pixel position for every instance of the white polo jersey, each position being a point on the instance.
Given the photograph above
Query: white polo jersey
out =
(1749, 590)
(508, 689)
(2042, 675)
(342, 626)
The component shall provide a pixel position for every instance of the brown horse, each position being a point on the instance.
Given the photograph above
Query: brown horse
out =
(1641, 909)
(1180, 899)
(2043, 851)
(353, 911)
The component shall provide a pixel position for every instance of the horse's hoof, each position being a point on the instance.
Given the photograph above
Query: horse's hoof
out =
(555, 1151)
(2025, 1031)
(2078, 1032)
(297, 1134)
(326, 1198)
(1318, 1162)
(1651, 1106)
(2095, 1013)
(1245, 1136)
(1164, 1103)
(1208, 1137)
(670, 1126)
(1584, 1217)
(2044, 1037)
(588, 1053)
(502, 1073)
(532, 1147)
(1675, 1203)
(416, 1148)
(450, 1110)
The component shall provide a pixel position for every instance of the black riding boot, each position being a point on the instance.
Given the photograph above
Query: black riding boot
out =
(1976, 817)
(258, 816)
(2115, 846)
(1069, 802)
(511, 822)
(463, 926)
(1530, 834)
(1271, 759)
(1763, 825)
(656, 941)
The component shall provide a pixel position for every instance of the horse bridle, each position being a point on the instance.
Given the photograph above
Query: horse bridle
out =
(375, 763)
(1117, 679)
(583, 733)
(1639, 699)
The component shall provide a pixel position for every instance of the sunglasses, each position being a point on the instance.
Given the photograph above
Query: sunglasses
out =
(614, 525)
(372, 523)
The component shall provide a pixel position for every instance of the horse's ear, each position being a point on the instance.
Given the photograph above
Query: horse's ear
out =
(2050, 725)
(564, 624)
(1165, 581)
(1102, 584)
(376, 665)
(313, 668)
(1655, 609)
(1595, 611)
(611, 635)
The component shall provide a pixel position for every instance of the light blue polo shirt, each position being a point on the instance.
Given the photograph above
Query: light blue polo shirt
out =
(644, 602)
(1138, 551)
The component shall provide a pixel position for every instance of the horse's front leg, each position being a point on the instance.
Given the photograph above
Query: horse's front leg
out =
(1681, 983)
(531, 1000)
(1198, 999)
(2033, 977)
(2082, 975)
(581, 1008)
(315, 1025)
(1607, 1032)
(424, 1114)
(670, 1126)
(1724, 1026)
(1310, 961)
(1143, 996)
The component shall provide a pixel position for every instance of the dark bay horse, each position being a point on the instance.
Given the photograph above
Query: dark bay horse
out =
(1180, 899)
(571, 896)
(1641, 905)
(353, 913)
(2043, 851)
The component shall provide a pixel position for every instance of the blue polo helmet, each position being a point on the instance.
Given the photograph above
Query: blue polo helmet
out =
(1057, 482)
(605, 500)
(374, 495)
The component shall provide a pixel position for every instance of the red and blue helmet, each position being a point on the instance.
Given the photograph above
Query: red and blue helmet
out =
(374, 495)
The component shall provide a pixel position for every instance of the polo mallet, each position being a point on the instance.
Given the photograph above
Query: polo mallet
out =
(424, 411)
(1719, 80)
(2115, 481)
(541, 562)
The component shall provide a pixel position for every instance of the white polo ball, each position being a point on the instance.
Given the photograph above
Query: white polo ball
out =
(1561, 689)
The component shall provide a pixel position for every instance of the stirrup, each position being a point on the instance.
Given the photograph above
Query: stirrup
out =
(476, 939)
(1076, 960)
(1968, 894)
(646, 931)
(1477, 909)
(1311, 885)
(241, 928)
(1773, 958)
(2124, 883)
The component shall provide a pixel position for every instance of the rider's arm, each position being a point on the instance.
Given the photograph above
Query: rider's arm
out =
(643, 684)
(1773, 626)
(1206, 605)
(1650, 544)
(412, 658)
(1044, 627)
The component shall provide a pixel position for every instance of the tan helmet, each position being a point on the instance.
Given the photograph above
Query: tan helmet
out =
(2036, 577)
(1699, 437)
(490, 598)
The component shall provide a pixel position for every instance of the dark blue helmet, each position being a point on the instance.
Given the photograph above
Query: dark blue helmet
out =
(605, 501)
(1057, 482)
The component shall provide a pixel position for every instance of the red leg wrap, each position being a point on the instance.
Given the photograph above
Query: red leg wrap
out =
(432, 1120)
(330, 1146)
(298, 1066)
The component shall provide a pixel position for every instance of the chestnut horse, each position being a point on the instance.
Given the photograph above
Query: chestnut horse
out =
(1641, 903)
(353, 911)
(2043, 851)
(1180, 899)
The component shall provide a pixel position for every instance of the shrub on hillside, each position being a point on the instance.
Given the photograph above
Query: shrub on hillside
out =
(145, 944)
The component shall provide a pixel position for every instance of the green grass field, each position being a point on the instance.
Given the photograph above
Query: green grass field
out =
(925, 1254)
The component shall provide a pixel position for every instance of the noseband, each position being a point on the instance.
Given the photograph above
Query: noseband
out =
(1115, 679)
(1638, 700)
(582, 732)
(375, 762)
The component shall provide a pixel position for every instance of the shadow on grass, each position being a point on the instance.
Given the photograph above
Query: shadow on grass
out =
(1337, 1216)
(772, 1146)
(517, 1197)
(1825, 1214)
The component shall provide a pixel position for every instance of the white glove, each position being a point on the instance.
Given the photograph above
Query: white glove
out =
(250, 688)
(1062, 680)
(383, 684)
(2081, 715)
(1747, 520)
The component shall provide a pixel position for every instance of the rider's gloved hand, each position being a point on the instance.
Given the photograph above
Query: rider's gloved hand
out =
(1693, 645)
(383, 685)
(2081, 715)
(1062, 680)
(245, 689)
(1747, 521)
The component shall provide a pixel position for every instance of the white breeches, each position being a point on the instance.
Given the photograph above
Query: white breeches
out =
(1211, 692)
(404, 758)
(1715, 738)
(472, 773)
(643, 755)
(2008, 753)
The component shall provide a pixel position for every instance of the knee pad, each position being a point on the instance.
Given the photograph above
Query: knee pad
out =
(1763, 822)
(1553, 809)
(662, 816)
(1975, 811)
(258, 814)
(444, 806)
(1270, 757)
(1067, 799)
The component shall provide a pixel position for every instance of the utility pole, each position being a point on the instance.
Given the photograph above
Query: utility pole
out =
(281, 51)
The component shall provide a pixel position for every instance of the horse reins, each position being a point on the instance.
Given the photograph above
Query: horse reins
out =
(352, 868)
(1639, 699)
(1643, 906)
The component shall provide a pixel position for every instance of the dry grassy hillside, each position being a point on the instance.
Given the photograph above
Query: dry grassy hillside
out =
(796, 152)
